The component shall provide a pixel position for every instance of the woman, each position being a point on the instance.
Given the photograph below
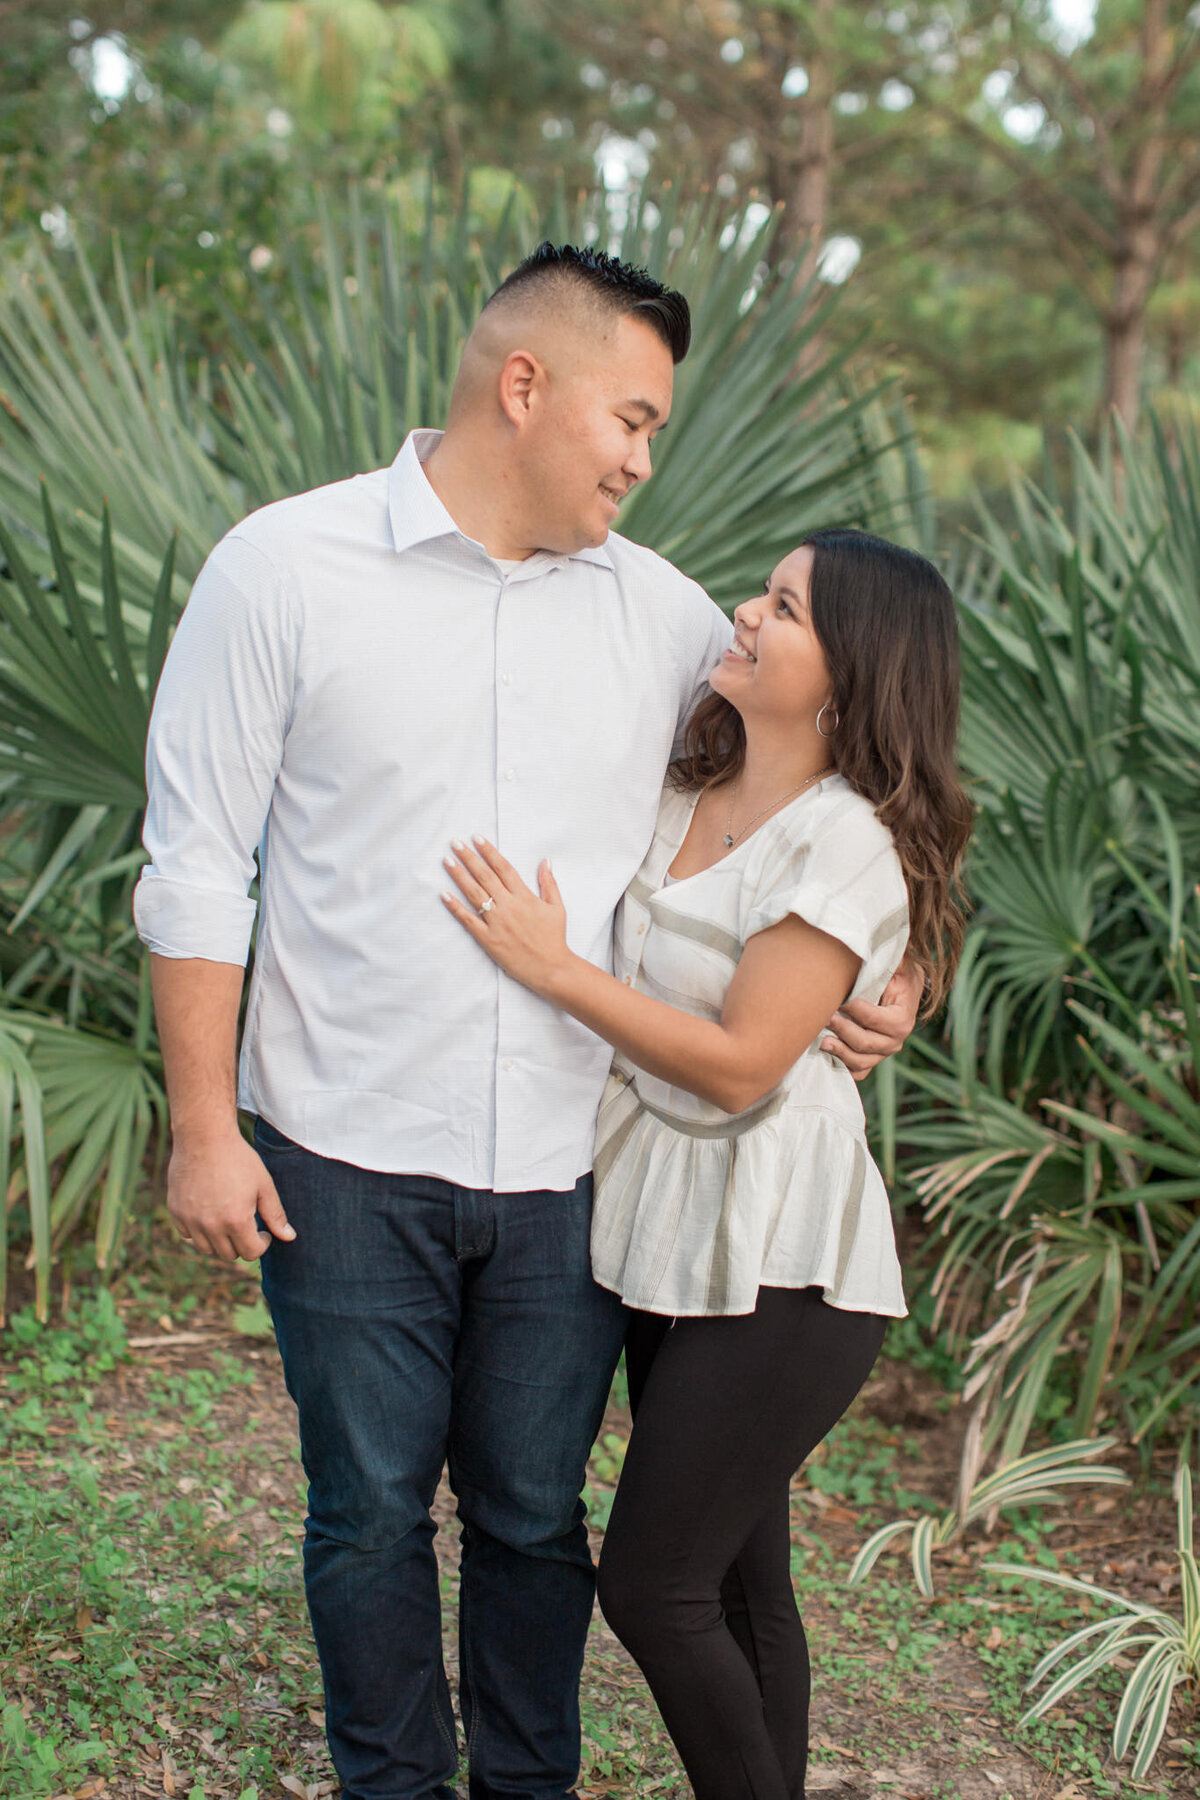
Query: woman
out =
(813, 829)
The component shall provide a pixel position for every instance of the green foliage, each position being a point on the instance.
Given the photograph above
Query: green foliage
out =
(323, 383)
(342, 66)
(75, 1027)
(125, 1580)
(1035, 1480)
(1169, 1645)
(1055, 1139)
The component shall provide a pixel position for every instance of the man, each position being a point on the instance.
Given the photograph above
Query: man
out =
(363, 673)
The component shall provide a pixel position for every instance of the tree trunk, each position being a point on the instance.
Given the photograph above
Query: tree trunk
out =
(1140, 248)
(1126, 337)
(807, 214)
(1125, 323)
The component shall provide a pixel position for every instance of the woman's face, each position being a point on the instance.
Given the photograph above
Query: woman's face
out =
(775, 668)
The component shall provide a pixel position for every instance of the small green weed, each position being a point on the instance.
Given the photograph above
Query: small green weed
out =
(856, 1464)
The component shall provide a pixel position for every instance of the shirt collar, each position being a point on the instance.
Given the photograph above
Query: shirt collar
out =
(417, 515)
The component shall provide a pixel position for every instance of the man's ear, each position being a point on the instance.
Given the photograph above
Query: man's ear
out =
(518, 378)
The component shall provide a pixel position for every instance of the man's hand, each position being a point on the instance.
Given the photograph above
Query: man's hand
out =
(214, 1189)
(864, 1034)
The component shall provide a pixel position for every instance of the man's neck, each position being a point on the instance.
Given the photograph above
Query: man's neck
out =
(477, 504)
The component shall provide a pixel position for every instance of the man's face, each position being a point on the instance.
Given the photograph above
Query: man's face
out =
(587, 441)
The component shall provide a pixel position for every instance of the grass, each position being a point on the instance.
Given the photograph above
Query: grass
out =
(146, 1629)
(153, 1635)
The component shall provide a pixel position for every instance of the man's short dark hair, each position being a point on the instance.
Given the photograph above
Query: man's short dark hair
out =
(619, 286)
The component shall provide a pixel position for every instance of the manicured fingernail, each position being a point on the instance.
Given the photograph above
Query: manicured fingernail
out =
(447, 898)
(478, 839)
(457, 844)
(447, 862)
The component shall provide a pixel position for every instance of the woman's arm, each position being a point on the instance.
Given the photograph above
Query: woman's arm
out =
(788, 982)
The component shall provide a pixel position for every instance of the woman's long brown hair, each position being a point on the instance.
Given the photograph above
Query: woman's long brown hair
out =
(886, 623)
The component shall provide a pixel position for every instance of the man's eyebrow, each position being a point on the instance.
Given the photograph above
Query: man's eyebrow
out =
(648, 407)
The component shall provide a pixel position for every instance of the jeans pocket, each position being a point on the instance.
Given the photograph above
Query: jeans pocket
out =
(267, 1138)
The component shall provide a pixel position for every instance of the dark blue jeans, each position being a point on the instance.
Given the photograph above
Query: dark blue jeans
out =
(421, 1323)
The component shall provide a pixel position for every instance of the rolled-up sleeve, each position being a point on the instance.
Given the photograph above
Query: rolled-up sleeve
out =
(217, 732)
(708, 634)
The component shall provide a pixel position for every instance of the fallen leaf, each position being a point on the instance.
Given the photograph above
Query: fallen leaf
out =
(90, 1789)
(83, 1620)
(168, 1774)
(301, 1789)
(994, 1638)
(316, 1716)
(824, 1743)
(884, 1775)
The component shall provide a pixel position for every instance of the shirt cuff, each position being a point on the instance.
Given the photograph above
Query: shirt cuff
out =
(178, 921)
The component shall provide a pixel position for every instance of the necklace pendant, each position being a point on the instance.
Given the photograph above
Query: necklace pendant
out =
(727, 841)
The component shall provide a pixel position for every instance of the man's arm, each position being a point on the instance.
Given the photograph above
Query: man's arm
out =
(215, 1181)
(216, 743)
(862, 1034)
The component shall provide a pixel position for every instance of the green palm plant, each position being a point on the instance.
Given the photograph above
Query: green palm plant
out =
(76, 1041)
(1053, 1138)
(1169, 1645)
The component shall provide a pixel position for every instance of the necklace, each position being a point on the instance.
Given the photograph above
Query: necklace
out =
(730, 841)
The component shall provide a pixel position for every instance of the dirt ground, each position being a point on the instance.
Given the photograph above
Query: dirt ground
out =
(1123, 1539)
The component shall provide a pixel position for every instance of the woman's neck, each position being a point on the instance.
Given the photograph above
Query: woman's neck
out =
(778, 762)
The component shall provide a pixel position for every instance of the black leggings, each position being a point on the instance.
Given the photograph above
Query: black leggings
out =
(695, 1573)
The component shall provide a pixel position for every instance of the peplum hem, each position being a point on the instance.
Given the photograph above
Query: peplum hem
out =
(680, 1226)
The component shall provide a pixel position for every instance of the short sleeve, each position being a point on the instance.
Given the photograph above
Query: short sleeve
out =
(845, 879)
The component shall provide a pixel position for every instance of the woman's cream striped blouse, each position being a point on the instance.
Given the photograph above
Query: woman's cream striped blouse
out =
(696, 1208)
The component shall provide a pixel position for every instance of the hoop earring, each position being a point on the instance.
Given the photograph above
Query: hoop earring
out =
(828, 707)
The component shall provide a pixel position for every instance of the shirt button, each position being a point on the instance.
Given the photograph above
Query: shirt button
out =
(506, 678)
(510, 774)
(506, 1065)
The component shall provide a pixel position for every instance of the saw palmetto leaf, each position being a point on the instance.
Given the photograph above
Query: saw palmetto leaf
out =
(1169, 1645)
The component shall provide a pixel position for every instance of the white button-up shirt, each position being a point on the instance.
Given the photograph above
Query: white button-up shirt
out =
(354, 683)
